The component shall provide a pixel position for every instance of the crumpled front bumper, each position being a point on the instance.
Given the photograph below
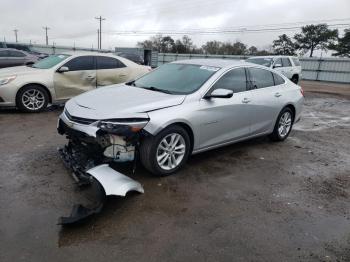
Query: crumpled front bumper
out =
(107, 181)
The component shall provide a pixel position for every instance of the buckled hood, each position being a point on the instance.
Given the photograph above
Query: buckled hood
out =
(120, 101)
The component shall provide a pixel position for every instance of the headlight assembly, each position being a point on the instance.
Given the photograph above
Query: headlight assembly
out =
(6, 80)
(123, 125)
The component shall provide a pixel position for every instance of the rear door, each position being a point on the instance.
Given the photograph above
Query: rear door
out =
(287, 67)
(226, 119)
(80, 78)
(16, 58)
(266, 102)
(4, 59)
(111, 71)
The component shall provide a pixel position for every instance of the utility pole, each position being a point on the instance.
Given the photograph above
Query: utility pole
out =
(100, 32)
(16, 31)
(47, 38)
(98, 38)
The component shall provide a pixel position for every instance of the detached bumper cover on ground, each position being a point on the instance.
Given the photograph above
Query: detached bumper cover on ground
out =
(88, 171)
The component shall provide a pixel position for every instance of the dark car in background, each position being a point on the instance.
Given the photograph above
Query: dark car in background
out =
(11, 57)
(23, 47)
(133, 57)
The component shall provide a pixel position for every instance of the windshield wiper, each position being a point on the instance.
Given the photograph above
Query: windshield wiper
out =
(152, 88)
(131, 83)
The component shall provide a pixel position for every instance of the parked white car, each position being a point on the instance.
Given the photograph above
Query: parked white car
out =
(60, 77)
(286, 65)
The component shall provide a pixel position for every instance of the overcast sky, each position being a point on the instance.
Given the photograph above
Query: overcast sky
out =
(73, 21)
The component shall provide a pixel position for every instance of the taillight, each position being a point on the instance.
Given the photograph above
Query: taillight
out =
(302, 91)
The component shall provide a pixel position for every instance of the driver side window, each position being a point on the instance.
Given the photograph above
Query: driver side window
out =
(234, 80)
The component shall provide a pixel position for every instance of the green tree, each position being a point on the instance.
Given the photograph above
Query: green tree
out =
(252, 50)
(239, 48)
(147, 44)
(166, 44)
(284, 45)
(188, 44)
(212, 47)
(313, 37)
(343, 45)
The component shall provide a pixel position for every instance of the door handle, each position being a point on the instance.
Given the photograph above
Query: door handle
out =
(245, 100)
(122, 75)
(90, 77)
(278, 94)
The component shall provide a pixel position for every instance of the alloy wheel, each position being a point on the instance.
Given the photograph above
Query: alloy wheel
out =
(285, 124)
(33, 99)
(171, 150)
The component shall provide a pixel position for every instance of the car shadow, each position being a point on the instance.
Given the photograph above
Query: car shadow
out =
(13, 110)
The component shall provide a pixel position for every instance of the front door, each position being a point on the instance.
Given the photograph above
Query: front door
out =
(81, 77)
(226, 119)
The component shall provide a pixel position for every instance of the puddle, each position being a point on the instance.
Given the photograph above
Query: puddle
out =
(319, 114)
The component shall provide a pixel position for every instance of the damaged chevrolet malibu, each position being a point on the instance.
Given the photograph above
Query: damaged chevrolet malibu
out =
(179, 109)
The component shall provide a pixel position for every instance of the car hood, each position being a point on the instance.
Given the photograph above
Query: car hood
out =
(118, 101)
(19, 70)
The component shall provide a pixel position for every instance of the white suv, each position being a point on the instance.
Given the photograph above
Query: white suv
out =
(286, 65)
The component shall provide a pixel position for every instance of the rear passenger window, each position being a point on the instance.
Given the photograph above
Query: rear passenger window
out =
(3, 54)
(260, 78)
(296, 61)
(286, 62)
(16, 54)
(104, 62)
(278, 61)
(234, 80)
(278, 80)
(81, 63)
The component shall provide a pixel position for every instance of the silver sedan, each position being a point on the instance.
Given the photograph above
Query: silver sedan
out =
(179, 109)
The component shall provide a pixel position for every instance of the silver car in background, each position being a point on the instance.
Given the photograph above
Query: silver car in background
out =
(179, 109)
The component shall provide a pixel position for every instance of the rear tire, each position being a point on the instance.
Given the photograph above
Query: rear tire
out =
(167, 152)
(295, 79)
(283, 125)
(32, 99)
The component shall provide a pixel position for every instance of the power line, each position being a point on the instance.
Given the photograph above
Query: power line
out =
(47, 38)
(209, 32)
(100, 32)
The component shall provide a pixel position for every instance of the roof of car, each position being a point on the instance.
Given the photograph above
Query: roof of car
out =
(86, 53)
(213, 62)
(272, 56)
(11, 49)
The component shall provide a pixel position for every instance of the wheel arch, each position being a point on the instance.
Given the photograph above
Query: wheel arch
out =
(188, 130)
(291, 107)
(35, 84)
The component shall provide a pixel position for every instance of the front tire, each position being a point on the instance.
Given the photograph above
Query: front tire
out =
(283, 125)
(167, 152)
(32, 99)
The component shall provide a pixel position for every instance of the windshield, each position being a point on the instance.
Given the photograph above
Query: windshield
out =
(261, 61)
(176, 78)
(50, 61)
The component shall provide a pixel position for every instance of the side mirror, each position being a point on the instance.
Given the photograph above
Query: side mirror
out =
(277, 65)
(63, 69)
(220, 93)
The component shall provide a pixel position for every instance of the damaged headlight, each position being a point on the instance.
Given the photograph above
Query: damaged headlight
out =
(123, 125)
(6, 80)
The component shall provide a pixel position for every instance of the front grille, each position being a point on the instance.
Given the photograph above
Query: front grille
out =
(79, 120)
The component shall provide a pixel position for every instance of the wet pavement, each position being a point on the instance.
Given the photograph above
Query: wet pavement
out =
(253, 201)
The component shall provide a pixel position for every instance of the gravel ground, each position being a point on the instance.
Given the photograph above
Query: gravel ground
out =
(253, 201)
